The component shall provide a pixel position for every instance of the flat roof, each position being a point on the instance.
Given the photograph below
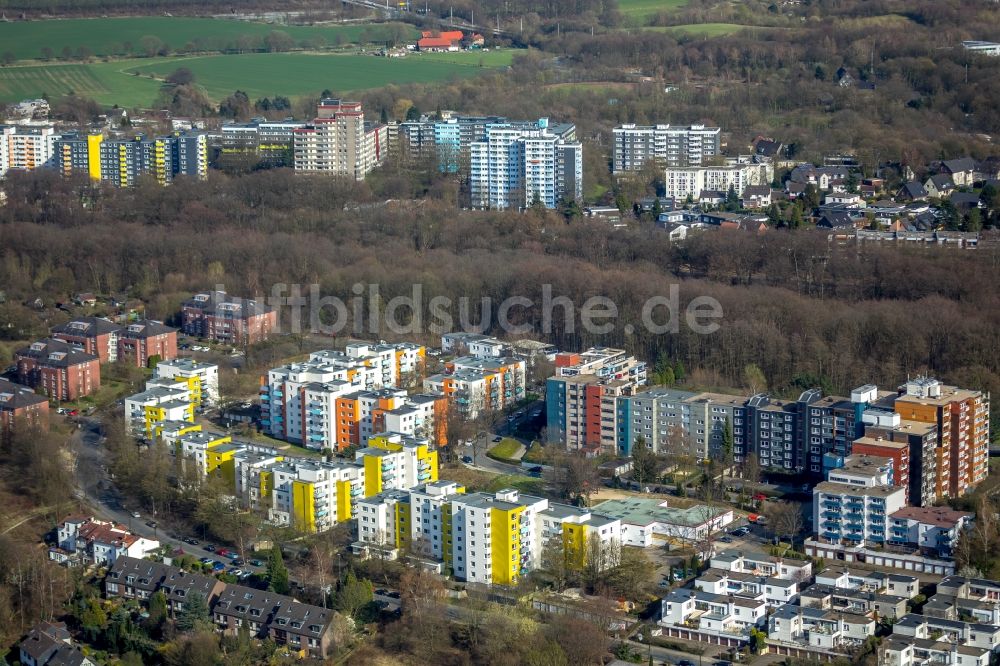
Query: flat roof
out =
(638, 511)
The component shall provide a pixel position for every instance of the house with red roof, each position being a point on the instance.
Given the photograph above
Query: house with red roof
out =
(448, 40)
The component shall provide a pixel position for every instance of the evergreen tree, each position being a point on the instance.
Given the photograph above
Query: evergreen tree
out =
(277, 572)
(194, 615)
(679, 372)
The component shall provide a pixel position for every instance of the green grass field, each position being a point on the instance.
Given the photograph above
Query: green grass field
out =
(26, 39)
(505, 450)
(257, 74)
(646, 8)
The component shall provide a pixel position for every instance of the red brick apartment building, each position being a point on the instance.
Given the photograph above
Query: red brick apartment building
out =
(59, 369)
(111, 342)
(229, 319)
(19, 403)
(143, 339)
(94, 335)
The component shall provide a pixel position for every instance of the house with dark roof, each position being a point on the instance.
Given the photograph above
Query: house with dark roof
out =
(962, 170)
(50, 644)
(912, 191)
(756, 196)
(20, 404)
(216, 315)
(965, 201)
(132, 578)
(839, 220)
(179, 585)
(140, 341)
(94, 335)
(59, 369)
(302, 627)
(767, 148)
(939, 186)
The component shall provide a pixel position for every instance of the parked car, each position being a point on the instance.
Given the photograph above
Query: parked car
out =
(218, 566)
(233, 556)
(238, 562)
(256, 563)
(222, 551)
(206, 560)
(193, 542)
(135, 514)
(726, 539)
(498, 438)
(236, 572)
(151, 523)
(685, 662)
(209, 547)
(467, 460)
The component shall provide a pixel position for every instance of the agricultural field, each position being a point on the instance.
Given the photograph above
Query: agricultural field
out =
(128, 83)
(125, 36)
(643, 9)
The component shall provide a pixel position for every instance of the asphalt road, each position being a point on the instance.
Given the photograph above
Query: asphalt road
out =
(505, 429)
(95, 488)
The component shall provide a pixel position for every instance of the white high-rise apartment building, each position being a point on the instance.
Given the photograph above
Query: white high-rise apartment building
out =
(667, 145)
(512, 167)
(26, 147)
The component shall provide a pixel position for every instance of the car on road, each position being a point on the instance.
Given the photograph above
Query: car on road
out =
(73, 412)
(135, 514)
(209, 547)
(193, 542)
(206, 560)
(218, 566)
(467, 460)
(741, 531)
(498, 438)
(726, 539)
(236, 572)
(392, 595)
(685, 662)
(223, 551)
(151, 523)
(723, 663)
(256, 563)
(233, 556)
(238, 562)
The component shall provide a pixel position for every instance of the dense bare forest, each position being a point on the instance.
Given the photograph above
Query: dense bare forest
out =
(806, 311)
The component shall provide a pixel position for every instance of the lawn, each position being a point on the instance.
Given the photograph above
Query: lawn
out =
(524, 484)
(646, 8)
(505, 450)
(128, 83)
(122, 36)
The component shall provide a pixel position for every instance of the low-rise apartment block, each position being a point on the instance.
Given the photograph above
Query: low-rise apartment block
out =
(303, 628)
(646, 522)
(666, 418)
(666, 145)
(134, 343)
(854, 506)
(228, 319)
(478, 537)
(161, 401)
(58, 369)
(581, 399)
(202, 379)
(100, 542)
(94, 335)
(720, 614)
(776, 591)
(823, 629)
(759, 564)
(683, 182)
(934, 530)
(143, 341)
(473, 385)
(21, 405)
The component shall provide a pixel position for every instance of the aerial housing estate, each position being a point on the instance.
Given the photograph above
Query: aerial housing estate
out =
(117, 159)
(512, 164)
(666, 145)
(936, 434)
